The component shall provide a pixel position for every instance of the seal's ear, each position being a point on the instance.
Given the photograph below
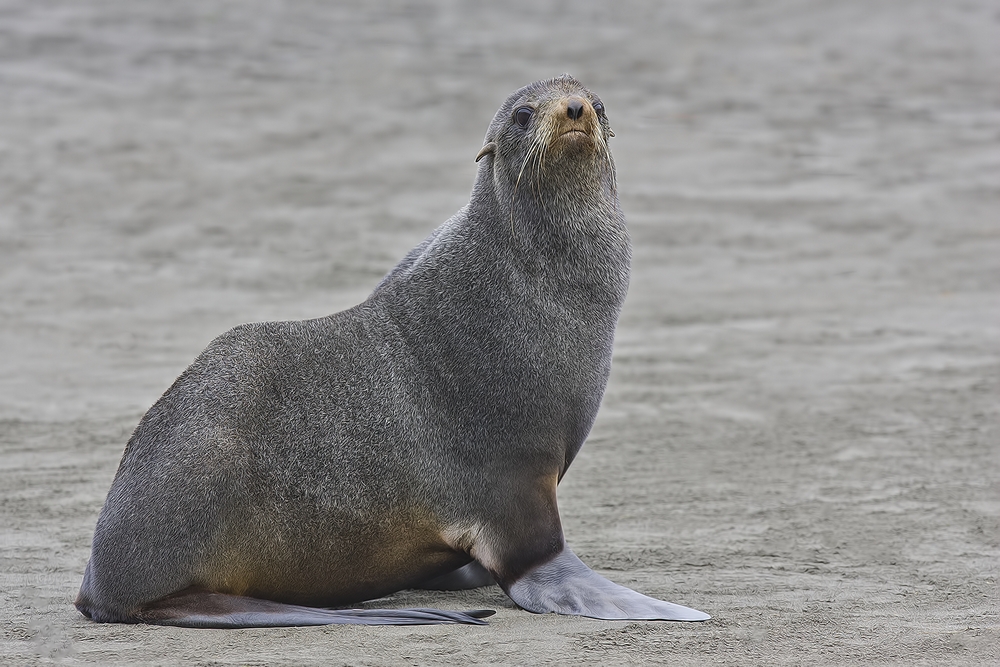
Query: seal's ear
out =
(486, 150)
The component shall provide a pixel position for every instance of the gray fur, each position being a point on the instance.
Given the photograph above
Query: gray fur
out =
(474, 370)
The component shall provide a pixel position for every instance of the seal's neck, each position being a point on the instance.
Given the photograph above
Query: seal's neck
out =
(565, 221)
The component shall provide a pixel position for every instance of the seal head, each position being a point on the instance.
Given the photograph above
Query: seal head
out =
(551, 138)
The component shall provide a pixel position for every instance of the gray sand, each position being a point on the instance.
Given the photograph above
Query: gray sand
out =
(800, 435)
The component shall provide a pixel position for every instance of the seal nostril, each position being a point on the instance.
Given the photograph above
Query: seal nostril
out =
(574, 109)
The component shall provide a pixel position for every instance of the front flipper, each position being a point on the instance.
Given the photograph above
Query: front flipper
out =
(565, 585)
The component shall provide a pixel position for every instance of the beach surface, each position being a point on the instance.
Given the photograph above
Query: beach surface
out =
(801, 433)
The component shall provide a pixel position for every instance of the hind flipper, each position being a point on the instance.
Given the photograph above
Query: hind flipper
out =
(470, 575)
(197, 608)
(565, 585)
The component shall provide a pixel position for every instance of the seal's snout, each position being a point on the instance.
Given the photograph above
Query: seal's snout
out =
(573, 118)
(574, 108)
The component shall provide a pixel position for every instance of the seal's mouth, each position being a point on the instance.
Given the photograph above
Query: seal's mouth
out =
(575, 135)
(575, 139)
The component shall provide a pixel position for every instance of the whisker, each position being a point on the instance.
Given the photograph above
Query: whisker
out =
(544, 148)
(531, 152)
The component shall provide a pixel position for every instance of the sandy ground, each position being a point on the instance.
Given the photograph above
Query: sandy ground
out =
(800, 435)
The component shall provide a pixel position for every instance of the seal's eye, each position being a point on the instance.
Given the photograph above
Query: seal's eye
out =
(523, 115)
(598, 108)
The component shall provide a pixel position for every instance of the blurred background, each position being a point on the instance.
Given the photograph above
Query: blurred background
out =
(233, 160)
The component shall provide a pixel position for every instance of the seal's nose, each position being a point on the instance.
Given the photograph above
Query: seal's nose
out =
(574, 108)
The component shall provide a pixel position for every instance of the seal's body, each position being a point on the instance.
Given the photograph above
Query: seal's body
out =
(413, 440)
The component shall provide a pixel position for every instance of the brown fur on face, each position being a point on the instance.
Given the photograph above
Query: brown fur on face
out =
(559, 136)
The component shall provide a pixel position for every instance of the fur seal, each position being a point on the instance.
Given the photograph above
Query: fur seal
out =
(415, 439)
